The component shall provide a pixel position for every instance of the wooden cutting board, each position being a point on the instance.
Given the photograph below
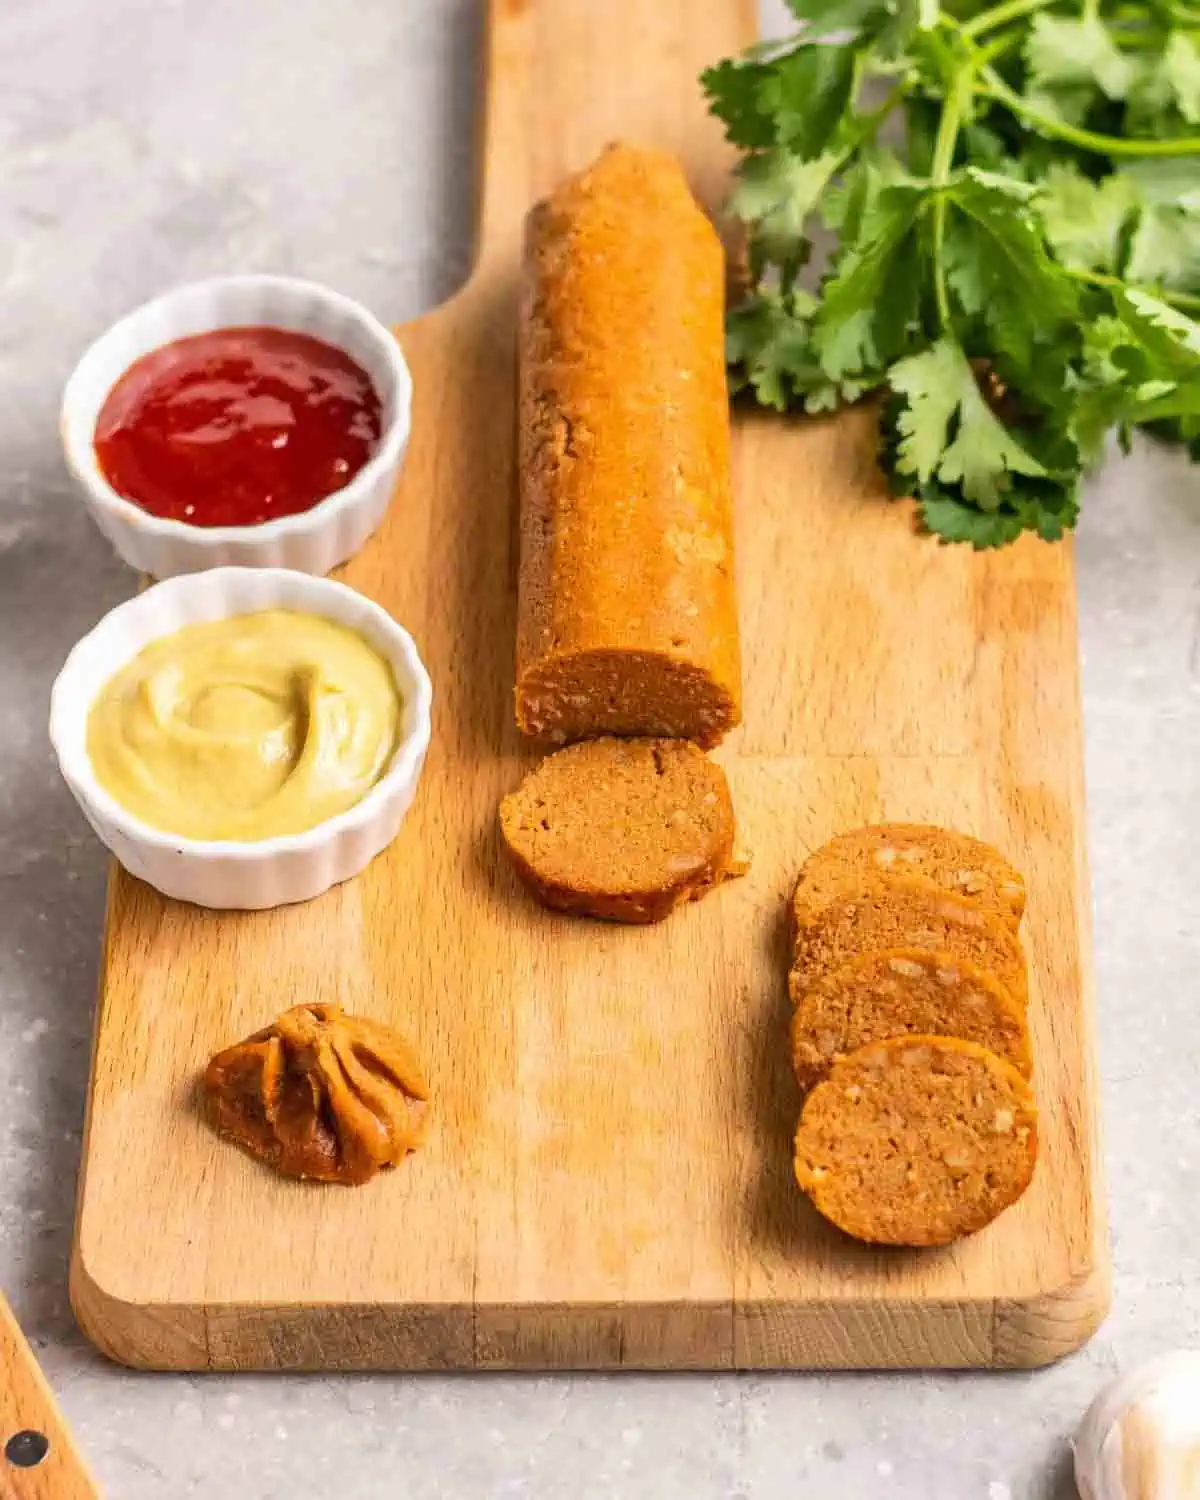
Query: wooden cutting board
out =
(609, 1180)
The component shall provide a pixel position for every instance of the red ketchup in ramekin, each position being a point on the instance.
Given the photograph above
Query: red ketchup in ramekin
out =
(237, 426)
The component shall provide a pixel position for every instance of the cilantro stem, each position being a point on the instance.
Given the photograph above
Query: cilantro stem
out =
(1000, 15)
(868, 126)
(1170, 16)
(1184, 301)
(994, 87)
(939, 176)
(996, 47)
(1176, 404)
(1139, 40)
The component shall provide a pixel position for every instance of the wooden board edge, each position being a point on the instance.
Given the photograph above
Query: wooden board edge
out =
(1042, 1329)
(1015, 1333)
(1052, 1322)
(635, 1336)
(137, 1335)
(1018, 1333)
(187, 1337)
(829, 1334)
(109, 1325)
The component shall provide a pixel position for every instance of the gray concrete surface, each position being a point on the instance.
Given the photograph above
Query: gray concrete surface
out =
(144, 142)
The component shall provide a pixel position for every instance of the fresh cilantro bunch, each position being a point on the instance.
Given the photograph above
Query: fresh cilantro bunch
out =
(1019, 277)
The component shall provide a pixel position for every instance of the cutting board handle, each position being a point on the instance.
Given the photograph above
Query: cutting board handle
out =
(565, 77)
(38, 1459)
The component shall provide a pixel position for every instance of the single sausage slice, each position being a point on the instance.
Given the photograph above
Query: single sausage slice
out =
(904, 992)
(957, 863)
(917, 1140)
(621, 829)
(627, 620)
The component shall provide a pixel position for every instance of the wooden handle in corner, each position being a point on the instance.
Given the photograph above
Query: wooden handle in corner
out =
(38, 1460)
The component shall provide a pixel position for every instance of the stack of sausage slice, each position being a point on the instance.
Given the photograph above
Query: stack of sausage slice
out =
(909, 1034)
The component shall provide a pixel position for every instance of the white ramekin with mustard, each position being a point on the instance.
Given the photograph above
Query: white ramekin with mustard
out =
(244, 737)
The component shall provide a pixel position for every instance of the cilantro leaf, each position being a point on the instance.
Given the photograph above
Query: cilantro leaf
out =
(848, 204)
(1143, 366)
(733, 91)
(843, 203)
(1164, 179)
(774, 181)
(775, 193)
(767, 339)
(1085, 221)
(888, 24)
(769, 344)
(823, 395)
(1165, 90)
(825, 17)
(808, 96)
(1102, 338)
(1181, 72)
(976, 182)
(1013, 274)
(873, 295)
(1050, 514)
(796, 101)
(1164, 249)
(932, 384)
(947, 430)
(1061, 52)
(953, 521)
(1168, 339)
(1070, 103)
(998, 267)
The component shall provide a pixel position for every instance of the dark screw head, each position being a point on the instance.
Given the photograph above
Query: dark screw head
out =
(27, 1449)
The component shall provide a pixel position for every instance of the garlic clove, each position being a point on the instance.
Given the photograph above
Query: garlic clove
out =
(1140, 1439)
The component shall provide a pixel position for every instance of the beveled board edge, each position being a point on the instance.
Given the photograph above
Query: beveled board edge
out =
(1022, 1333)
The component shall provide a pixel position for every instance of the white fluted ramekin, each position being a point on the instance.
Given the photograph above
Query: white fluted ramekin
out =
(259, 873)
(313, 541)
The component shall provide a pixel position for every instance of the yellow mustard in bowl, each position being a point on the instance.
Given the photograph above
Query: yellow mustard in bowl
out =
(246, 728)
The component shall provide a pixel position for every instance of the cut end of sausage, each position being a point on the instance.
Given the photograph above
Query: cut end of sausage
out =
(626, 693)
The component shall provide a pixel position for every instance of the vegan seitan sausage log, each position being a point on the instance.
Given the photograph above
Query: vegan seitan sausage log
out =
(628, 615)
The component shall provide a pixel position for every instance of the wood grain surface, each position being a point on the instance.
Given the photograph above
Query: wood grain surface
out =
(28, 1412)
(608, 1181)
